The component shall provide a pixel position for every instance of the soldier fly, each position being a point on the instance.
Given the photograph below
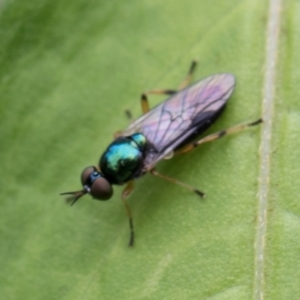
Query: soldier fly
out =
(169, 128)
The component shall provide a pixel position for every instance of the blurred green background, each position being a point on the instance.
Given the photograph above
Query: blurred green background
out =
(68, 70)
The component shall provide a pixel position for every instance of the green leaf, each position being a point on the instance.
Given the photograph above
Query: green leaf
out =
(68, 71)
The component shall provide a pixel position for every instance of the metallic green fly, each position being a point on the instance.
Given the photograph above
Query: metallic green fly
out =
(169, 128)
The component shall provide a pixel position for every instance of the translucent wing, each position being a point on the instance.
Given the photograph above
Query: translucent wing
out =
(173, 121)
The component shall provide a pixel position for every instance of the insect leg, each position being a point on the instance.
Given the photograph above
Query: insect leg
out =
(173, 180)
(128, 189)
(185, 83)
(144, 98)
(117, 134)
(189, 76)
(129, 117)
(218, 135)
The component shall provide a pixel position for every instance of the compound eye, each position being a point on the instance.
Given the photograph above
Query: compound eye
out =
(101, 189)
(86, 174)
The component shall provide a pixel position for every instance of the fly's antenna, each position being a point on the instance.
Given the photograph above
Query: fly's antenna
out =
(74, 196)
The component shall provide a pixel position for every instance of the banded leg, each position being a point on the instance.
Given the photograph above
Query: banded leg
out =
(128, 189)
(218, 135)
(189, 76)
(173, 180)
(144, 98)
(185, 83)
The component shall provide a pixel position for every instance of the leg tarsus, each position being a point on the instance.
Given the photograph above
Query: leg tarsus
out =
(260, 120)
(128, 189)
(189, 76)
(217, 135)
(173, 180)
(161, 92)
(128, 114)
(185, 83)
(131, 238)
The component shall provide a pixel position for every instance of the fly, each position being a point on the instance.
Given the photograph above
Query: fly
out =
(169, 128)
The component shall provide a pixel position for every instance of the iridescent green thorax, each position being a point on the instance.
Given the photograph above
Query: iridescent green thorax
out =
(123, 159)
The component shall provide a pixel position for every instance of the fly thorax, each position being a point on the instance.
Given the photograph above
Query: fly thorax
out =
(123, 159)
